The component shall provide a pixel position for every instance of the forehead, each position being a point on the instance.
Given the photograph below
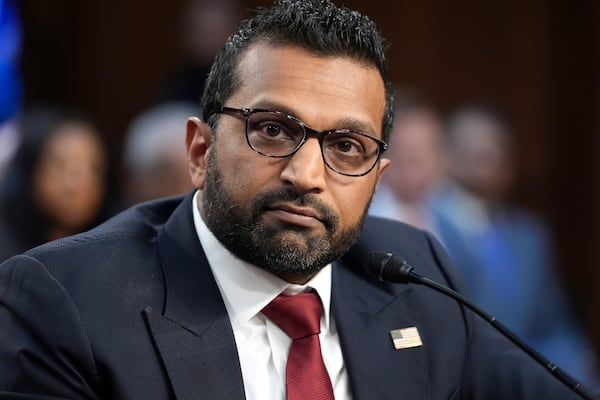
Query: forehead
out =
(322, 91)
(74, 134)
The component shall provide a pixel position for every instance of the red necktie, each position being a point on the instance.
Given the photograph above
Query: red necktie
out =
(299, 316)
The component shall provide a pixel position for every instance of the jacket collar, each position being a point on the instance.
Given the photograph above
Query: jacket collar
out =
(192, 332)
(195, 339)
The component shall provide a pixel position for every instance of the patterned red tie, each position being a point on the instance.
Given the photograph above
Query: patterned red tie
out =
(299, 316)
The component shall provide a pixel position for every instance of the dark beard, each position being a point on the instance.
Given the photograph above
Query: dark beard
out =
(286, 250)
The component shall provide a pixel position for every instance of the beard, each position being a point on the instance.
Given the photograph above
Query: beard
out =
(286, 250)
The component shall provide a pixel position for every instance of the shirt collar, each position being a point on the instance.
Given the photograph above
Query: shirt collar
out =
(247, 289)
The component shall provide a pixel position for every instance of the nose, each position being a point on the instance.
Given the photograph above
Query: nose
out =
(306, 169)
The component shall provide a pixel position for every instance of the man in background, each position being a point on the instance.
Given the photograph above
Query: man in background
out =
(512, 269)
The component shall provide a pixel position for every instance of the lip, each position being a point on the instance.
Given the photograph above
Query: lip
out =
(296, 215)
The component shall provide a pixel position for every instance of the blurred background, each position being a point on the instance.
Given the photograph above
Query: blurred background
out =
(536, 61)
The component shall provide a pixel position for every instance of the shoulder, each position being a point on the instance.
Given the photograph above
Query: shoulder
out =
(419, 248)
(385, 232)
(9, 243)
(138, 223)
(117, 262)
(119, 246)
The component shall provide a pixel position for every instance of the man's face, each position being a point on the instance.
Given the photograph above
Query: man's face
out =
(417, 155)
(480, 158)
(289, 216)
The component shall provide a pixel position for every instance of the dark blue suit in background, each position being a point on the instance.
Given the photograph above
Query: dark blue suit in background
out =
(130, 310)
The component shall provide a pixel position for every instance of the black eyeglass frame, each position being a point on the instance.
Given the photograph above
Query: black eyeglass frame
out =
(308, 133)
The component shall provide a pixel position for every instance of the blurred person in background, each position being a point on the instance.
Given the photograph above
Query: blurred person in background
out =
(408, 190)
(10, 81)
(58, 183)
(205, 26)
(418, 167)
(513, 275)
(155, 156)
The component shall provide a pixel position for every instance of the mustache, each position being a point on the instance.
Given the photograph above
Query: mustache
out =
(265, 200)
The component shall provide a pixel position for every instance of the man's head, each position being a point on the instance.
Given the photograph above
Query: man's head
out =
(480, 151)
(317, 26)
(322, 68)
(416, 150)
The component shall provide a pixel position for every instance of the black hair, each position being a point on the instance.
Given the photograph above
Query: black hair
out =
(317, 26)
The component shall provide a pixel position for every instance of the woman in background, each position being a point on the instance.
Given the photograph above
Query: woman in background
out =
(58, 183)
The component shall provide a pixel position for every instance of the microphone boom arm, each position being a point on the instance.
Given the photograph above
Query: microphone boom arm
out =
(390, 268)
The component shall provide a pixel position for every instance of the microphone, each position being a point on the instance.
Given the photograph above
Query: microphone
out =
(390, 268)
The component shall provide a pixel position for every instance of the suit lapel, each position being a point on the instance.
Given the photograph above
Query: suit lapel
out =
(193, 334)
(195, 340)
(365, 312)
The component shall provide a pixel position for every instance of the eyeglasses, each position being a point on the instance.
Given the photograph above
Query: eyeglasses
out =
(277, 134)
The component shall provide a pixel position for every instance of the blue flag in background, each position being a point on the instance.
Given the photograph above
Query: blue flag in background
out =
(10, 47)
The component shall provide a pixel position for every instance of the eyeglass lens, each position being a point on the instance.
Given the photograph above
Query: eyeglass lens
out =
(279, 135)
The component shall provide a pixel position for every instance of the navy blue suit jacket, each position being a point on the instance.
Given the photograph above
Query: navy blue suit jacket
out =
(130, 310)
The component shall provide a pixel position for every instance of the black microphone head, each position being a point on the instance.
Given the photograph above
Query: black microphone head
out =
(388, 268)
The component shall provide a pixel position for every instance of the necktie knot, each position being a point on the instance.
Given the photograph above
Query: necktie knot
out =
(298, 316)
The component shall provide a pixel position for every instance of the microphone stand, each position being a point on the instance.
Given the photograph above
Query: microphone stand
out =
(414, 277)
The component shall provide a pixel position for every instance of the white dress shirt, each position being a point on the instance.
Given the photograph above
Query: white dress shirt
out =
(262, 346)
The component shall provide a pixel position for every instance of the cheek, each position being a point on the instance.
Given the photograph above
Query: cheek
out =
(245, 173)
(45, 189)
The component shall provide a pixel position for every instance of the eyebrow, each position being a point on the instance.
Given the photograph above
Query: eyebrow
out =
(349, 123)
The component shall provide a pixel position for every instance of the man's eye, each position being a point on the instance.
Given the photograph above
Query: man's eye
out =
(271, 129)
(274, 129)
(348, 146)
(344, 146)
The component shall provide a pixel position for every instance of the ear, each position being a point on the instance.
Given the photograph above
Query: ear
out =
(383, 164)
(198, 138)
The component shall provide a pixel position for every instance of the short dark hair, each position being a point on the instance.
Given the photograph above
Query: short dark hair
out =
(317, 26)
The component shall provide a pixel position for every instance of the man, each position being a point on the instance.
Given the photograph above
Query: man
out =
(170, 299)
(417, 169)
(512, 270)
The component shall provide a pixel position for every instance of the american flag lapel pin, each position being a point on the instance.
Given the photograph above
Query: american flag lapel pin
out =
(406, 338)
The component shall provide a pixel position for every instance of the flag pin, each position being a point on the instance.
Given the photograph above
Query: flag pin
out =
(406, 338)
